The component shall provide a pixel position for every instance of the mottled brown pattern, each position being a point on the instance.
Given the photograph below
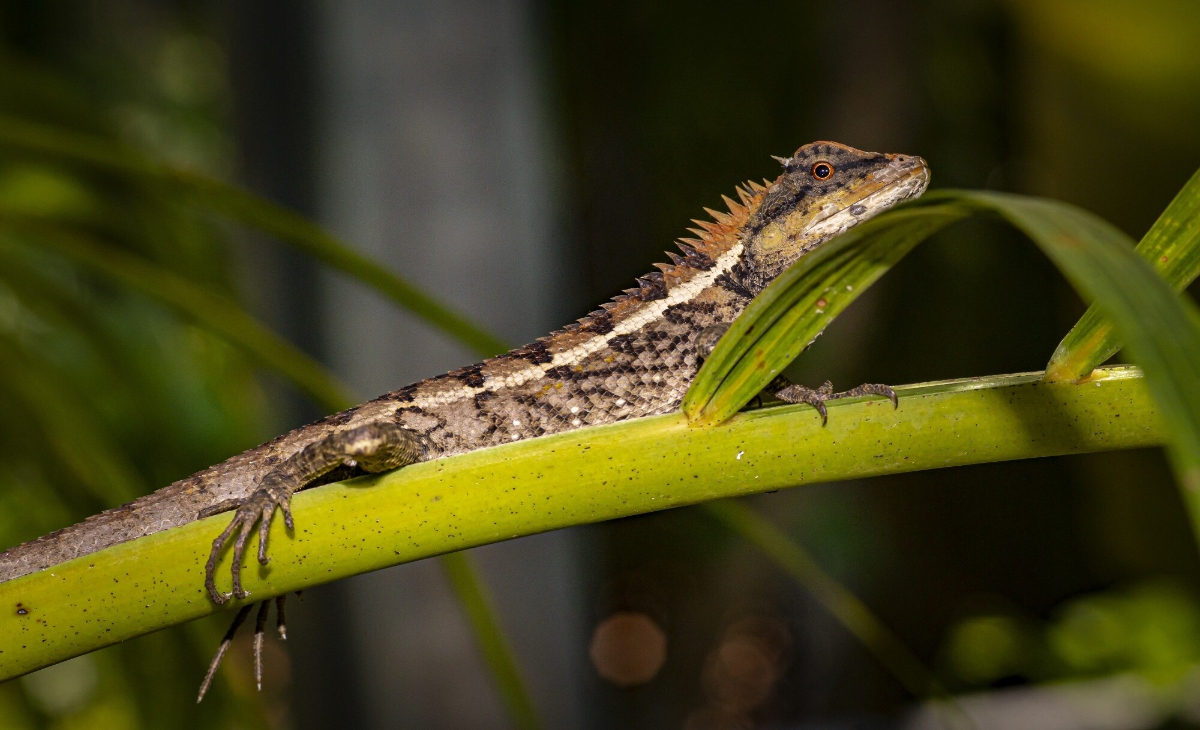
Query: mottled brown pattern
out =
(634, 357)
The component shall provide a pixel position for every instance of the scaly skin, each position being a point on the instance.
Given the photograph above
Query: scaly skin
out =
(634, 357)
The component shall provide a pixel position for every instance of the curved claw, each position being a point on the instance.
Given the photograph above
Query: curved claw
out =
(817, 398)
(257, 509)
(264, 531)
(211, 566)
(285, 504)
(875, 389)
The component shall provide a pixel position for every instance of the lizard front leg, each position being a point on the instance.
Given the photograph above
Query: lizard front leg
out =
(789, 392)
(373, 447)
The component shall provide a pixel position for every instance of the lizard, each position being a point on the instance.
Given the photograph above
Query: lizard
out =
(635, 356)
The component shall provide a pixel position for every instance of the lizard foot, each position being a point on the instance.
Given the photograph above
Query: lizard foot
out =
(259, 630)
(373, 447)
(793, 393)
(259, 508)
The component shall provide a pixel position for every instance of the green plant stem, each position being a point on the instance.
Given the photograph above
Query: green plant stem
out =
(580, 477)
(846, 607)
(490, 637)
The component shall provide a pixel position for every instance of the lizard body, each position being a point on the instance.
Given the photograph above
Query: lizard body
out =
(634, 357)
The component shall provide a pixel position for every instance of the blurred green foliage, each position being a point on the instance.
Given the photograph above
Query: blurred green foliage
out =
(1054, 99)
(1152, 629)
(105, 393)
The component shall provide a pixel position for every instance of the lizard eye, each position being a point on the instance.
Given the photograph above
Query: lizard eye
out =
(822, 170)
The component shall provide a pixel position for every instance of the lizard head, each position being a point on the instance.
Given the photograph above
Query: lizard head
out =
(825, 188)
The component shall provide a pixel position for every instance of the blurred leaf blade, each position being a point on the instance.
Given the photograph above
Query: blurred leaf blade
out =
(841, 603)
(315, 241)
(490, 637)
(68, 428)
(237, 204)
(211, 310)
(1172, 246)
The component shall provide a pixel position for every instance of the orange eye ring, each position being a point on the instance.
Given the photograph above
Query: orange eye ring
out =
(821, 170)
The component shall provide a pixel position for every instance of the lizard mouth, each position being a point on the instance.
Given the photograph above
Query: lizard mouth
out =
(903, 178)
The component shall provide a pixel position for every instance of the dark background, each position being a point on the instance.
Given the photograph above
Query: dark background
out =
(525, 160)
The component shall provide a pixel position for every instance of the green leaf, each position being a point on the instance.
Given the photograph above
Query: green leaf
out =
(1161, 328)
(69, 430)
(213, 311)
(35, 139)
(1172, 246)
(315, 241)
(785, 318)
(49, 300)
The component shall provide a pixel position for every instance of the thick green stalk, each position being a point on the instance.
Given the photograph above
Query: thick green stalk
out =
(569, 479)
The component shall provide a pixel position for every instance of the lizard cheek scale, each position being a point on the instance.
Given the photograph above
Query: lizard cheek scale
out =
(635, 356)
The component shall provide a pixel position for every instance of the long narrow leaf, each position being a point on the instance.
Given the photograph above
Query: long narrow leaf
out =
(315, 241)
(846, 607)
(68, 428)
(1172, 246)
(489, 635)
(213, 311)
(45, 299)
(26, 137)
(1161, 328)
(781, 322)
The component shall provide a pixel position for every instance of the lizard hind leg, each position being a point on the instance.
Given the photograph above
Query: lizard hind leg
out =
(373, 447)
(238, 620)
(260, 624)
